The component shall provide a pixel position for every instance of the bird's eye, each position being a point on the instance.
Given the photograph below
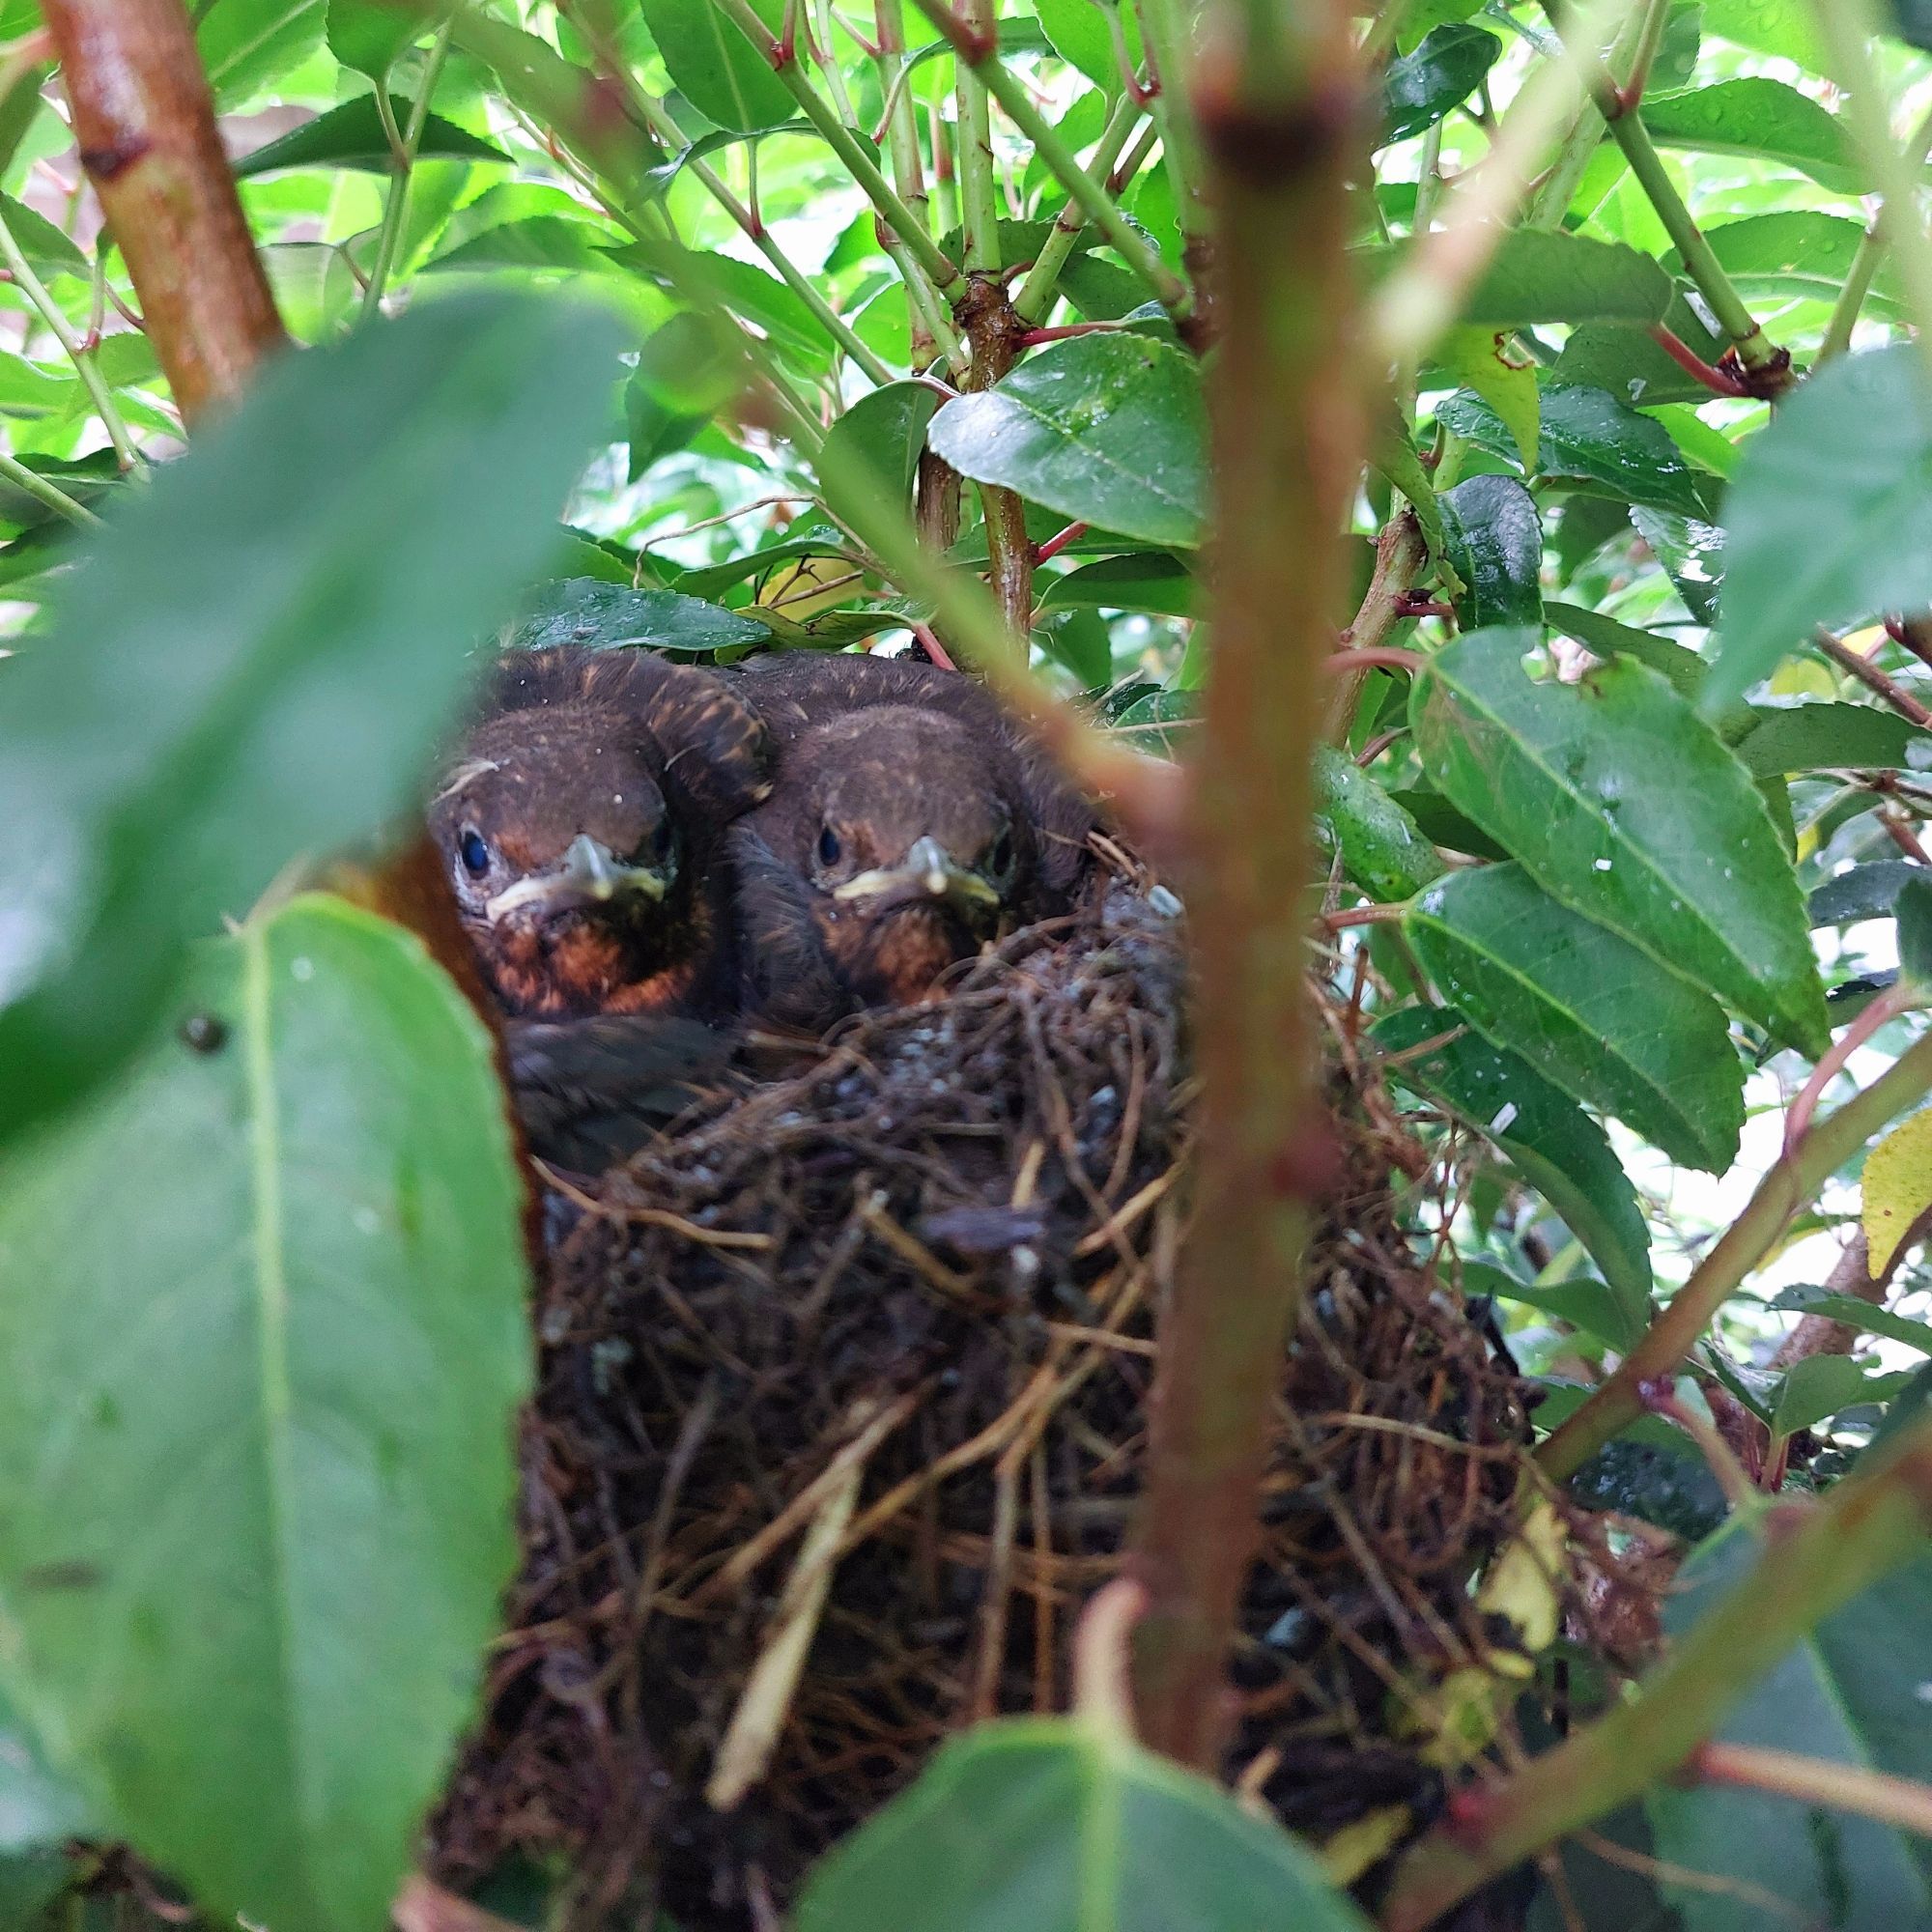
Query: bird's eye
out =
(1001, 863)
(474, 852)
(830, 847)
(657, 844)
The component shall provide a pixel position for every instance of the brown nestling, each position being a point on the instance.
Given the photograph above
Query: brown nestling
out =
(912, 822)
(582, 824)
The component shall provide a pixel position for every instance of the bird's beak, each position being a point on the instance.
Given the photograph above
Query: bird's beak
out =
(928, 870)
(587, 875)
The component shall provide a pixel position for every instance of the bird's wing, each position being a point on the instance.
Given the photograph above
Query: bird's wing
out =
(788, 975)
(590, 1091)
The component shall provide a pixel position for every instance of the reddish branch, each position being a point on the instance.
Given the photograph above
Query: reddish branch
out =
(1687, 359)
(1873, 679)
(145, 121)
(1273, 100)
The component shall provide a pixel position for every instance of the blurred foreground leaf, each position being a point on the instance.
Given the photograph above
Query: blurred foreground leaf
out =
(1049, 1825)
(259, 656)
(263, 1417)
(1830, 516)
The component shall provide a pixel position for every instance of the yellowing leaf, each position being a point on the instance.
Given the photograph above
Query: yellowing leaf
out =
(1898, 1187)
(1482, 360)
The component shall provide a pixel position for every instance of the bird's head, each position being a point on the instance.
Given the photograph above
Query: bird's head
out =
(563, 851)
(913, 851)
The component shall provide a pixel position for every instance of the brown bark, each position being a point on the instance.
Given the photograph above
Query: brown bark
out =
(1276, 109)
(145, 121)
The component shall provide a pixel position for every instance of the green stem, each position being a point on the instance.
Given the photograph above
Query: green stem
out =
(944, 195)
(1816, 1559)
(44, 491)
(404, 163)
(982, 56)
(1551, 200)
(1791, 1183)
(835, 74)
(657, 118)
(918, 245)
(1755, 350)
(1042, 280)
(979, 183)
(1164, 36)
(986, 315)
(1848, 28)
(35, 289)
(902, 149)
(927, 306)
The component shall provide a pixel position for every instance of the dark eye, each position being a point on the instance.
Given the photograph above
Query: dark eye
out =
(474, 852)
(830, 847)
(657, 844)
(1002, 861)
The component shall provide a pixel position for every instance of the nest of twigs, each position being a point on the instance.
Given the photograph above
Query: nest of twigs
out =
(843, 1408)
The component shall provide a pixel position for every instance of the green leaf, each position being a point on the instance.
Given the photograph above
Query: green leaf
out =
(882, 434)
(368, 34)
(1480, 360)
(1382, 846)
(1549, 275)
(1588, 1010)
(1149, 581)
(38, 1809)
(1795, 252)
(582, 610)
(302, 1239)
(1679, 666)
(351, 137)
(1627, 362)
(1588, 432)
(537, 241)
(1493, 538)
(1761, 121)
(259, 654)
(1421, 87)
(1622, 804)
(49, 250)
(1691, 553)
(715, 65)
(1782, 27)
(1849, 1694)
(653, 428)
(1915, 934)
(1852, 1313)
(1558, 1147)
(1866, 891)
(1079, 34)
(1052, 1825)
(1395, 457)
(248, 44)
(1108, 429)
(1830, 516)
(693, 275)
(1586, 1303)
(1080, 641)
(1822, 737)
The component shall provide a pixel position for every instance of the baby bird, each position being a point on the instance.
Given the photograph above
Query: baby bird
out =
(913, 821)
(581, 825)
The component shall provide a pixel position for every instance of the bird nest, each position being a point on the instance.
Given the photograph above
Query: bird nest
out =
(842, 1415)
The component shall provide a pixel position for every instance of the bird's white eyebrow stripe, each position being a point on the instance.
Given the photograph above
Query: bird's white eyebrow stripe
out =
(471, 769)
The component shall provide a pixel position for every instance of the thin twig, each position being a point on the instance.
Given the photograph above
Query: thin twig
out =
(1872, 678)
